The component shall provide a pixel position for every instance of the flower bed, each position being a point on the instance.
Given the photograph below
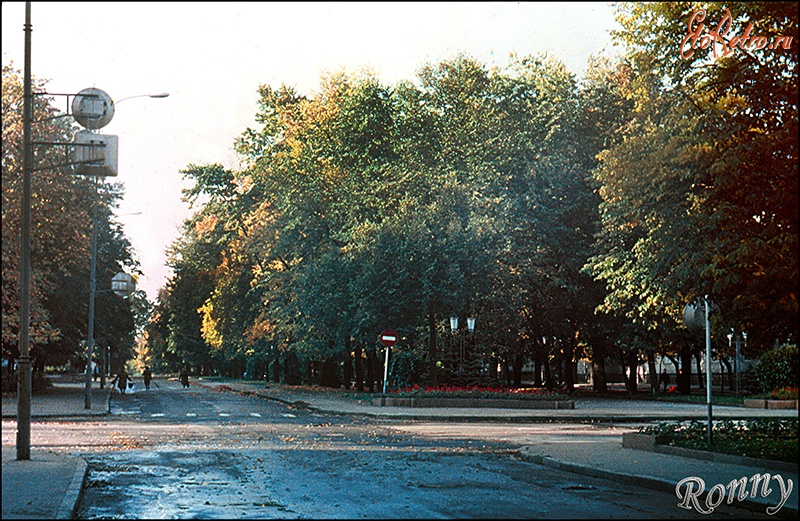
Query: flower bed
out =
(484, 397)
(476, 392)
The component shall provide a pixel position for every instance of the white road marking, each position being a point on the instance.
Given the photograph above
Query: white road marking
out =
(157, 415)
(255, 414)
(224, 414)
(191, 414)
(288, 415)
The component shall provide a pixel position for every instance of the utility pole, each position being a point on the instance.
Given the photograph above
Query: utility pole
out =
(24, 388)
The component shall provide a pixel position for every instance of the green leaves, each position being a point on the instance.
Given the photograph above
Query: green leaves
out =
(696, 191)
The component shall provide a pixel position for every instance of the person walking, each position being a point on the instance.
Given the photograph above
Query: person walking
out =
(147, 376)
(664, 379)
(121, 380)
(185, 377)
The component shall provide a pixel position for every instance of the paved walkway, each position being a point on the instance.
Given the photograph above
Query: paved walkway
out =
(61, 476)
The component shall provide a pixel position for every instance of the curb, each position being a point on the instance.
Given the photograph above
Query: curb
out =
(69, 504)
(642, 481)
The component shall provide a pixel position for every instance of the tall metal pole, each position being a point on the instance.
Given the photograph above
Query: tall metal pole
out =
(87, 402)
(24, 388)
(708, 372)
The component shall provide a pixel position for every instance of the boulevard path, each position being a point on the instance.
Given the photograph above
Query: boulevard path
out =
(60, 476)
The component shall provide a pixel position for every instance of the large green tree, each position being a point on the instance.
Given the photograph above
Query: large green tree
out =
(704, 184)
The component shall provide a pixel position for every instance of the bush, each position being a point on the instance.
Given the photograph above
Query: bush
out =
(773, 439)
(777, 368)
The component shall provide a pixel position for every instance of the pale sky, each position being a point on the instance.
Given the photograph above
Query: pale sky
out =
(211, 57)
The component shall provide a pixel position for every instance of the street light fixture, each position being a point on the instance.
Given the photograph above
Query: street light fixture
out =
(161, 95)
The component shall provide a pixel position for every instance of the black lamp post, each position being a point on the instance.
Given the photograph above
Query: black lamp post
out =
(454, 330)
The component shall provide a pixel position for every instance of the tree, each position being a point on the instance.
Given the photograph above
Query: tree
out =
(707, 174)
(60, 242)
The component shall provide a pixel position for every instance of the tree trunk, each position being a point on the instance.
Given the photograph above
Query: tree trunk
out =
(548, 376)
(537, 364)
(519, 361)
(630, 379)
(357, 354)
(329, 376)
(433, 376)
(599, 382)
(729, 366)
(700, 378)
(651, 367)
(569, 365)
(685, 374)
(371, 369)
(347, 367)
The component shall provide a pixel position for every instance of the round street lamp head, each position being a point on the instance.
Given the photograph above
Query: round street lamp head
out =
(92, 108)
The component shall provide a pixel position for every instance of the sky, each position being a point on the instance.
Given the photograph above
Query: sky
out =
(211, 58)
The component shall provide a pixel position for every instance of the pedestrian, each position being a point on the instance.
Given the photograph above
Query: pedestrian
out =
(664, 379)
(121, 380)
(185, 377)
(147, 376)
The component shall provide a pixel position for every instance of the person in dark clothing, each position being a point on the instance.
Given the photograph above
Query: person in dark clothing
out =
(121, 380)
(185, 377)
(664, 380)
(147, 376)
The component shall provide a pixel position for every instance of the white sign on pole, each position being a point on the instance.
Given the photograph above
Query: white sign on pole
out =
(95, 154)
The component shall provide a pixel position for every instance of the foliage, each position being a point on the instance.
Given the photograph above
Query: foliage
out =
(368, 205)
(777, 368)
(700, 195)
(774, 439)
(572, 218)
(61, 217)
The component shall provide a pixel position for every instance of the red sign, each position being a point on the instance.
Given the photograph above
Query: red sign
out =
(388, 338)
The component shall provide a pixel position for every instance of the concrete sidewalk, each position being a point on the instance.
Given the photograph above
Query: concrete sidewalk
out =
(48, 485)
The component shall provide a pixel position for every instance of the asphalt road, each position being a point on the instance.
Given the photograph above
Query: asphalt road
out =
(200, 453)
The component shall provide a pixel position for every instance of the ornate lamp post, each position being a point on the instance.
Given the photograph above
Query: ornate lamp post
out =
(454, 330)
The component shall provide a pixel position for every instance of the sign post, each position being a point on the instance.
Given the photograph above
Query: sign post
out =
(388, 339)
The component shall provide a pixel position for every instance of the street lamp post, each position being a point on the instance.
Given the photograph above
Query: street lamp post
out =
(738, 371)
(454, 330)
(741, 336)
(87, 402)
(24, 388)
